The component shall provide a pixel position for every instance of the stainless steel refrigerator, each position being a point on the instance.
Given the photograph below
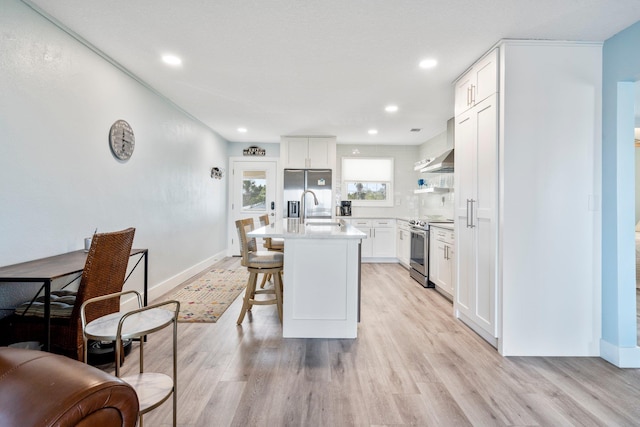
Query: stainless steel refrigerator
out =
(317, 180)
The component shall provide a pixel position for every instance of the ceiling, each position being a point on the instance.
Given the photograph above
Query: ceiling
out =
(321, 67)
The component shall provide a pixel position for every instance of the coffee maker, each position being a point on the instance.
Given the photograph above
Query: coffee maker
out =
(345, 207)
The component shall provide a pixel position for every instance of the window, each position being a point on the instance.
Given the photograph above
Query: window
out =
(254, 191)
(367, 181)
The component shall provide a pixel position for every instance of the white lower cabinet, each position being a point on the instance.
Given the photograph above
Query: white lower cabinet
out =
(380, 244)
(403, 242)
(442, 260)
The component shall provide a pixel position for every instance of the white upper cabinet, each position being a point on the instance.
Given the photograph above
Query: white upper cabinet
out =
(308, 152)
(480, 82)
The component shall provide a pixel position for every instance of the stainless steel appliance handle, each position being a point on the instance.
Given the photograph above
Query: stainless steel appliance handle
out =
(419, 232)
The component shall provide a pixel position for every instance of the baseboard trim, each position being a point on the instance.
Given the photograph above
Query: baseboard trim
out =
(477, 329)
(380, 260)
(622, 357)
(162, 288)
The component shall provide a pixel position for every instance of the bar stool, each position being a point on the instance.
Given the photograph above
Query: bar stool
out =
(259, 262)
(271, 244)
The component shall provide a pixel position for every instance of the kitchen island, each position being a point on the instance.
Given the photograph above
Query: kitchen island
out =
(321, 277)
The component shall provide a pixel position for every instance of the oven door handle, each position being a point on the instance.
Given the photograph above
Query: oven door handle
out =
(419, 232)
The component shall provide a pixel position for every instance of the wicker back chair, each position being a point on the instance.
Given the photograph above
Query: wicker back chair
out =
(104, 273)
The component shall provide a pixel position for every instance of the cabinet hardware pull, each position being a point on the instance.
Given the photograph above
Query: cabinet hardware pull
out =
(468, 214)
(473, 94)
(472, 221)
(468, 95)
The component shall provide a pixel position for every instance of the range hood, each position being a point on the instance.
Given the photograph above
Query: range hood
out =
(441, 164)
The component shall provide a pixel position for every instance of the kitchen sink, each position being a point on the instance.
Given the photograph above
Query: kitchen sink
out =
(323, 223)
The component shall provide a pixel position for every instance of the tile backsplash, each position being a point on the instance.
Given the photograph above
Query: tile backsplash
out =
(406, 202)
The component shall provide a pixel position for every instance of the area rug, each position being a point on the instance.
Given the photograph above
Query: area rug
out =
(205, 298)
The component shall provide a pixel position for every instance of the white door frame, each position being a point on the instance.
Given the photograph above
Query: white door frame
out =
(231, 228)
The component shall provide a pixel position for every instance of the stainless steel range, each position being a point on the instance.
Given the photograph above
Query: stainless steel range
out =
(419, 259)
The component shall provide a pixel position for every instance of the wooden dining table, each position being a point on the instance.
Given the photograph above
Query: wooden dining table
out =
(46, 270)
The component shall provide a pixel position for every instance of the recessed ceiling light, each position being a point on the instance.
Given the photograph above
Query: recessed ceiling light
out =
(428, 63)
(171, 60)
(373, 131)
(242, 130)
(391, 108)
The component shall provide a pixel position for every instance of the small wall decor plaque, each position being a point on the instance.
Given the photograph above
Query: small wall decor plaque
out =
(254, 151)
(217, 173)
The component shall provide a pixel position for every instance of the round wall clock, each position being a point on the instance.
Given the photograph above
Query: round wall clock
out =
(121, 140)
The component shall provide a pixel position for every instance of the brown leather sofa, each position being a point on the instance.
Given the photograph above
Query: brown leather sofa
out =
(43, 389)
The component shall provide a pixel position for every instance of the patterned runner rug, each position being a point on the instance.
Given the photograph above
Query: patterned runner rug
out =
(205, 298)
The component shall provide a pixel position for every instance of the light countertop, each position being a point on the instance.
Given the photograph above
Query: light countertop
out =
(290, 228)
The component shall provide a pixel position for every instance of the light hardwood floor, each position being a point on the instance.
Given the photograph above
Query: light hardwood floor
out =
(412, 364)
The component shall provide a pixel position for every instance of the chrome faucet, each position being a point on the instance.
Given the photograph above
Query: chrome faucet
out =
(315, 200)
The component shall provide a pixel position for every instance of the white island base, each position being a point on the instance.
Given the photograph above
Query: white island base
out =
(322, 301)
(321, 278)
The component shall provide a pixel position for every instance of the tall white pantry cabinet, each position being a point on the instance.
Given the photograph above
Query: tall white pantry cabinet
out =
(527, 186)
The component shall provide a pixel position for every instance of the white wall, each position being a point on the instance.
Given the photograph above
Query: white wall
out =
(58, 179)
(550, 221)
(637, 184)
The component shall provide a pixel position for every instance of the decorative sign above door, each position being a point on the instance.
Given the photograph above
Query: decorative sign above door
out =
(254, 151)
